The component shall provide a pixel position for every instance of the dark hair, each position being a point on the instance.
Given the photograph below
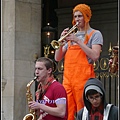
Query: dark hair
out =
(91, 92)
(47, 62)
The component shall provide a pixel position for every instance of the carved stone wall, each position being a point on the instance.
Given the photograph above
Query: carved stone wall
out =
(21, 40)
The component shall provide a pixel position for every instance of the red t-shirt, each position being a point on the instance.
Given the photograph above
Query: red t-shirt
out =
(54, 93)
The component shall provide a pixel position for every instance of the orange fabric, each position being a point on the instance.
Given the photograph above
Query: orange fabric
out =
(87, 13)
(85, 10)
(77, 71)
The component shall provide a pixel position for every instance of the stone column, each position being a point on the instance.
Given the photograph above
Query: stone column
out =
(3, 86)
(21, 40)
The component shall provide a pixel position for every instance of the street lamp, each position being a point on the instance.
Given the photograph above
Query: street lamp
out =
(48, 34)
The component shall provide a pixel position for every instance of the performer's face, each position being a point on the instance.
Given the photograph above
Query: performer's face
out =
(78, 17)
(41, 71)
(95, 99)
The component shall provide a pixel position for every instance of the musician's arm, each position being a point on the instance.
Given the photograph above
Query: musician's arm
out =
(60, 53)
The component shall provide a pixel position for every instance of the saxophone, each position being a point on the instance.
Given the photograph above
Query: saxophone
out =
(32, 114)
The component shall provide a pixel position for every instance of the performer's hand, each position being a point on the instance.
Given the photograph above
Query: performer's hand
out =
(34, 105)
(72, 37)
(64, 32)
(64, 41)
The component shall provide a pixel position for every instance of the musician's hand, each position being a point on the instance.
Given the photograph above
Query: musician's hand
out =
(34, 105)
(64, 41)
(64, 32)
(72, 37)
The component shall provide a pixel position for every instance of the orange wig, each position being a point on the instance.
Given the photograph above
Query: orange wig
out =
(85, 10)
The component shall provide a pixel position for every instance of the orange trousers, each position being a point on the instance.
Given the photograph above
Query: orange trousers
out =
(77, 71)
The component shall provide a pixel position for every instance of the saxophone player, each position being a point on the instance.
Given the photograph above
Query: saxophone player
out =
(51, 98)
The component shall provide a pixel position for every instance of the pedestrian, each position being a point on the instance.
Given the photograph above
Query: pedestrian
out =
(96, 107)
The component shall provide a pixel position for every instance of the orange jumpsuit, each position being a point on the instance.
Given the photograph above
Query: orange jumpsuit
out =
(77, 71)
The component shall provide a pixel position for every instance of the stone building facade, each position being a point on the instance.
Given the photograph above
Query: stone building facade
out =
(21, 42)
(21, 36)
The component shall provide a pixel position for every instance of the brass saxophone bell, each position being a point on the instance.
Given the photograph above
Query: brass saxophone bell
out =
(29, 117)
